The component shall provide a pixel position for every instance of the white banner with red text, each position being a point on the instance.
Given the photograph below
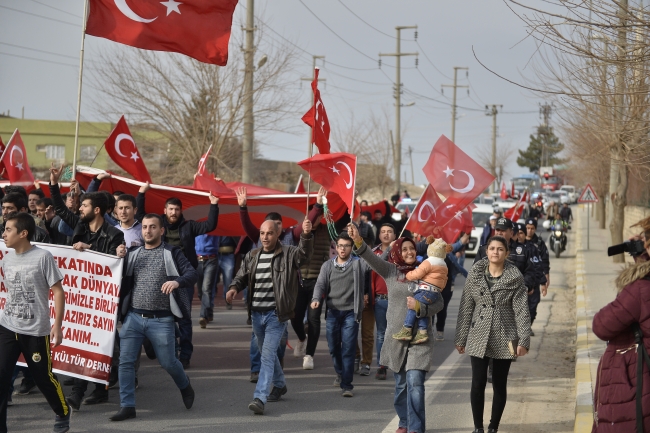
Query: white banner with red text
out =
(91, 282)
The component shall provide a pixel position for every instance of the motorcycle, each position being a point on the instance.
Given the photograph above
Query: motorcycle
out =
(558, 239)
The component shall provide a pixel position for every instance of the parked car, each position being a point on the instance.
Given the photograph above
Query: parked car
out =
(480, 216)
(406, 204)
(571, 192)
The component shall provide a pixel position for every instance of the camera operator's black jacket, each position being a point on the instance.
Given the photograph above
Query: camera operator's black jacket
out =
(522, 257)
(109, 237)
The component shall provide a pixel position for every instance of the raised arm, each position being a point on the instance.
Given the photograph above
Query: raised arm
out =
(252, 232)
(379, 265)
(306, 245)
(140, 201)
(203, 227)
(60, 208)
(314, 213)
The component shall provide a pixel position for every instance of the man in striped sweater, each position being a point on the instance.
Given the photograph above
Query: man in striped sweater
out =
(271, 272)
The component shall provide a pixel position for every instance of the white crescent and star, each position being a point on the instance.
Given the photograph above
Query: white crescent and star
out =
(171, 5)
(426, 204)
(348, 185)
(470, 184)
(134, 155)
(19, 166)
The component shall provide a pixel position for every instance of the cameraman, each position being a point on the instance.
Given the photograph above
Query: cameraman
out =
(614, 324)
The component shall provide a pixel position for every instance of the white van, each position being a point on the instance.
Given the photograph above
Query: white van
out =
(480, 216)
(571, 193)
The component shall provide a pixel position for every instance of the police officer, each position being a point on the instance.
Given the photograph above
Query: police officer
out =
(531, 237)
(534, 294)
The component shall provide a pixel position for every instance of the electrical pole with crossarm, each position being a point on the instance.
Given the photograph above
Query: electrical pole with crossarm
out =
(453, 105)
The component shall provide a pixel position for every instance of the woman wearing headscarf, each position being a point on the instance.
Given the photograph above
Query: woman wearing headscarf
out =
(409, 363)
(493, 324)
(625, 324)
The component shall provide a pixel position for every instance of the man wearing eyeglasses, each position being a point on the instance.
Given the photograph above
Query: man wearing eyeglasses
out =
(342, 283)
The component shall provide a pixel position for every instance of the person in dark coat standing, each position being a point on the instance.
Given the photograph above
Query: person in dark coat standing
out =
(615, 392)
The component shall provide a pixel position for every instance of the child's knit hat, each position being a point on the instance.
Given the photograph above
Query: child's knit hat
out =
(438, 248)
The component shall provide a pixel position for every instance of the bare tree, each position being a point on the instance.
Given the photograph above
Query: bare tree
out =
(592, 59)
(182, 106)
(503, 158)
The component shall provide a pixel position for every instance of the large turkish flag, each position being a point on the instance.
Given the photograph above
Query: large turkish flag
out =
(127, 157)
(453, 173)
(196, 28)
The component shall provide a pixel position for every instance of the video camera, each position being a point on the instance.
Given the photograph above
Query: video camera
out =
(635, 248)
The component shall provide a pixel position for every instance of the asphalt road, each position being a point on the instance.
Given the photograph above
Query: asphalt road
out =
(220, 370)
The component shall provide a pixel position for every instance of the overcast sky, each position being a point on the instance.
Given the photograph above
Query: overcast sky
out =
(39, 56)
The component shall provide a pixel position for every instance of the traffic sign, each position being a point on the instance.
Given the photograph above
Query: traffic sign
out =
(588, 195)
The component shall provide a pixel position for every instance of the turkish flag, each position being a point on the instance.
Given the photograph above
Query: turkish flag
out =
(336, 172)
(2, 166)
(504, 192)
(123, 151)
(196, 28)
(196, 203)
(201, 168)
(381, 207)
(300, 186)
(425, 219)
(316, 117)
(14, 159)
(454, 174)
(514, 213)
(216, 187)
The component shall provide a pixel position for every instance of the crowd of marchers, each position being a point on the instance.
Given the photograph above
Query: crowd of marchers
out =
(372, 275)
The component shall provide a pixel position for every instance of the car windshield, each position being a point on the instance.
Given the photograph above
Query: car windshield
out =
(409, 206)
(480, 219)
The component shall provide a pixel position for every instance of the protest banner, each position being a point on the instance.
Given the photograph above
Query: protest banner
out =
(91, 282)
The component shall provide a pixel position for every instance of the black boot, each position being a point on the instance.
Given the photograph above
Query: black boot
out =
(123, 413)
(74, 400)
(492, 430)
(478, 430)
(99, 395)
(188, 396)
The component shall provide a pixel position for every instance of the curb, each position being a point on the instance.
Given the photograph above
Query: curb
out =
(584, 392)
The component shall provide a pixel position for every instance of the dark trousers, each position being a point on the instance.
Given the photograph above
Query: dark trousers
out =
(533, 302)
(441, 317)
(185, 328)
(303, 303)
(499, 386)
(36, 351)
(208, 270)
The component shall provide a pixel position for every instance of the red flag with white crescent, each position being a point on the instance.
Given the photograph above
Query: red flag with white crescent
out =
(336, 172)
(514, 213)
(123, 151)
(14, 159)
(316, 117)
(201, 168)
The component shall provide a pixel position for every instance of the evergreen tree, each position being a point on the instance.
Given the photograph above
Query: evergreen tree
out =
(539, 143)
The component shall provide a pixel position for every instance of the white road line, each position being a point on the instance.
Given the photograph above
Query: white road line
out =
(433, 384)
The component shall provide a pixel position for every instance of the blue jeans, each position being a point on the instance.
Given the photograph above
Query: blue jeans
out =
(269, 331)
(208, 270)
(426, 297)
(342, 330)
(161, 333)
(381, 306)
(256, 356)
(409, 400)
(226, 270)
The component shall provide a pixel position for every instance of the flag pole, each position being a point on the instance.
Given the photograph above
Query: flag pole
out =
(81, 72)
(311, 145)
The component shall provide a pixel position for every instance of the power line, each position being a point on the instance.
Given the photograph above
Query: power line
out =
(350, 78)
(431, 85)
(57, 9)
(336, 34)
(370, 25)
(39, 16)
(39, 60)
(40, 51)
(354, 69)
(429, 60)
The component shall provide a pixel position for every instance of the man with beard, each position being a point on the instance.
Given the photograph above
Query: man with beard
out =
(89, 232)
(182, 233)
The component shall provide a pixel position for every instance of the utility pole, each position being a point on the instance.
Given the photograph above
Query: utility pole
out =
(453, 104)
(313, 77)
(493, 112)
(411, 158)
(545, 130)
(398, 103)
(249, 52)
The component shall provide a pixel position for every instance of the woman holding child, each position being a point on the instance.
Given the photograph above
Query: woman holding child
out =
(409, 362)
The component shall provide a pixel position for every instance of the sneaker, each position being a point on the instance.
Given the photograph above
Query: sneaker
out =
(276, 394)
(440, 336)
(300, 350)
(365, 370)
(381, 373)
(405, 334)
(254, 377)
(337, 381)
(357, 364)
(25, 387)
(203, 322)
(61, 424)
(308, 362)
(421, 337)
(257, 406)
(347, 393)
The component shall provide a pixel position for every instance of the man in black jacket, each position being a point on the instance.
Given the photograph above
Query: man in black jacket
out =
(151, 295)
(90, 232)
(181, 233)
